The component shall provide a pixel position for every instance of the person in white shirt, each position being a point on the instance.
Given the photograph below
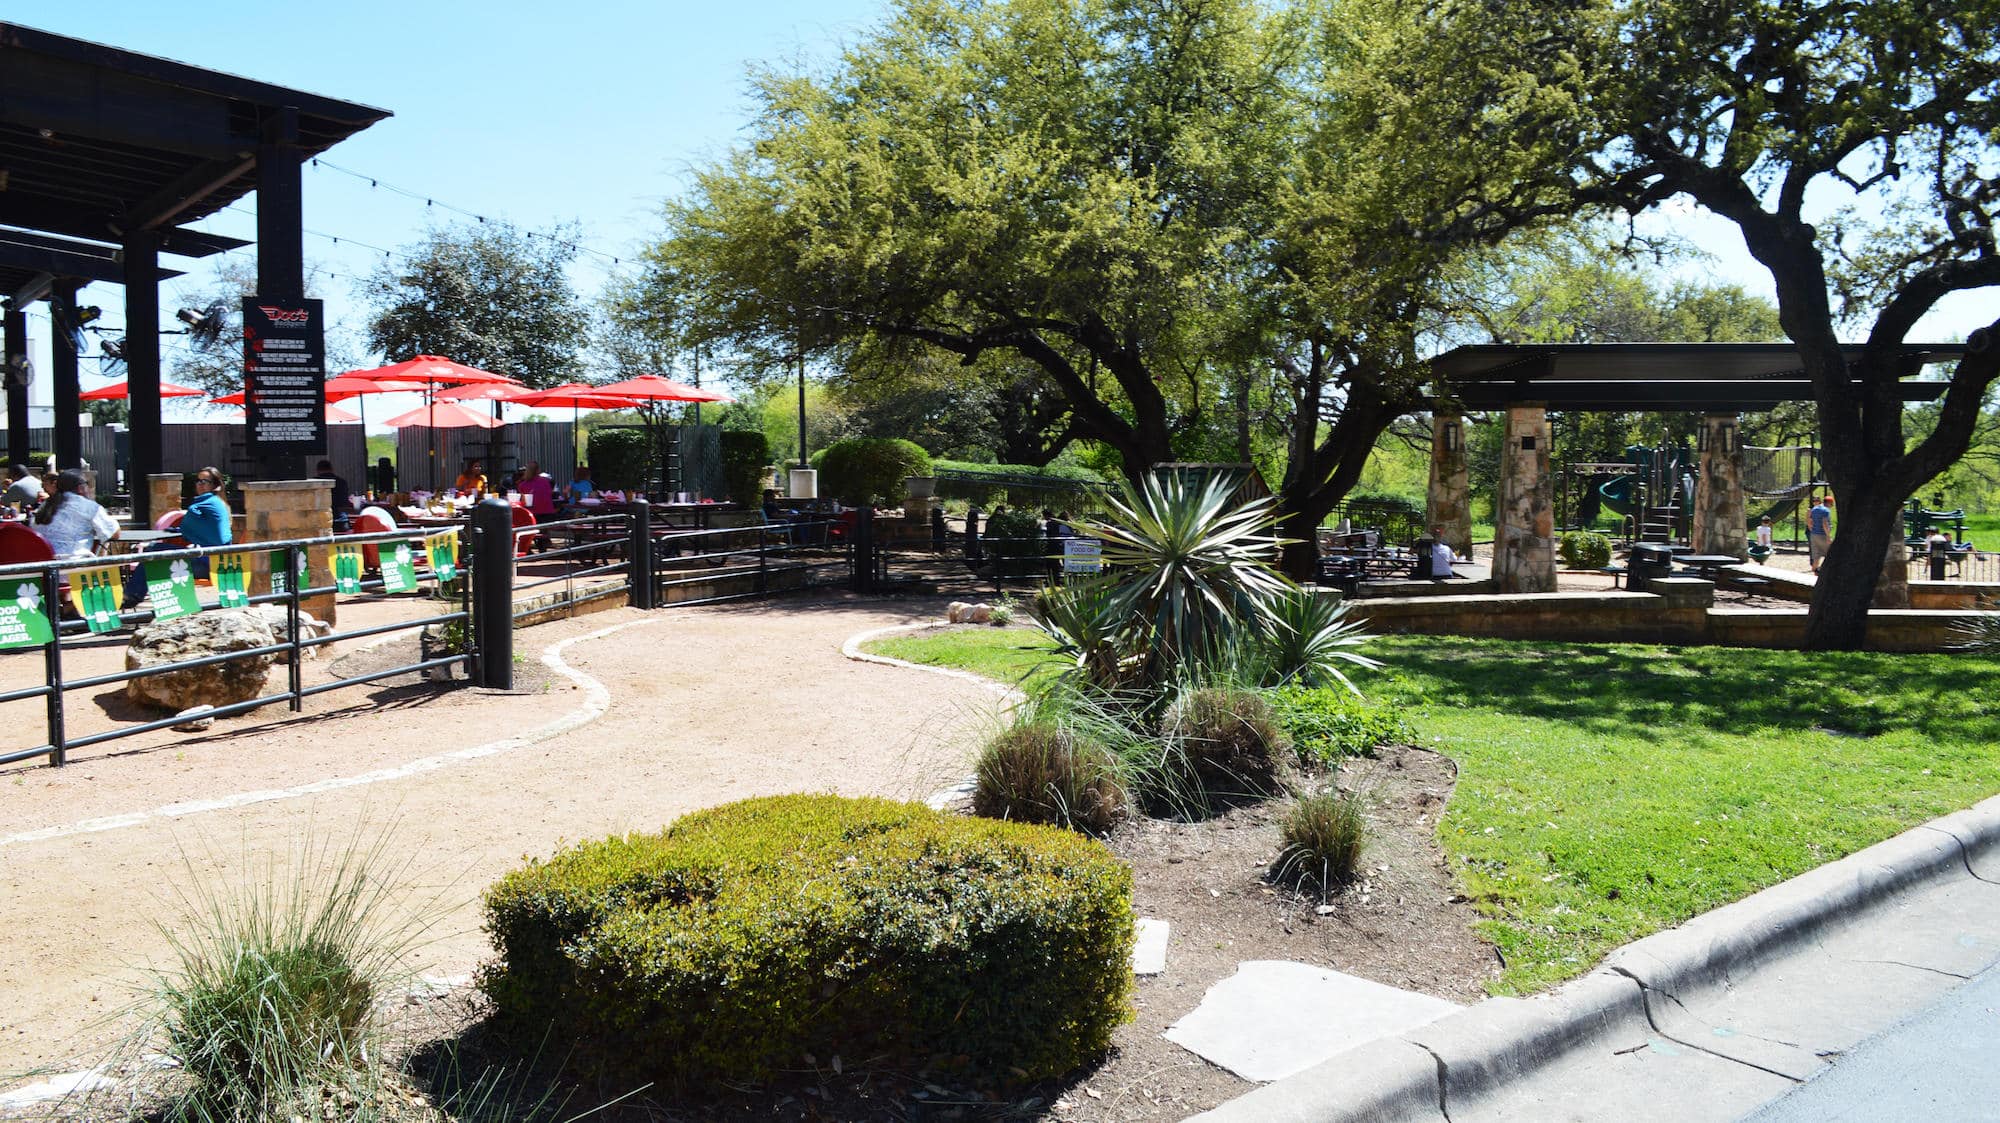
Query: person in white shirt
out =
(71, 521)
(23, 489)
(1441, 555)
(1764, 533)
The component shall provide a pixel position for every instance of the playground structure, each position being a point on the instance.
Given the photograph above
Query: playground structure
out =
(1653, 489)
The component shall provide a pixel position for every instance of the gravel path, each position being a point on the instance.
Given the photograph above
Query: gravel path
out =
(705, 705)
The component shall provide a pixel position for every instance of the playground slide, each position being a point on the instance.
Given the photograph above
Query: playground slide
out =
(1780, 510)
(1616, 493)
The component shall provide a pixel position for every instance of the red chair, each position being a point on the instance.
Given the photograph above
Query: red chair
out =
(19, 544)
(842, 526)
(523, 540)
(374, 520)
(171, 520)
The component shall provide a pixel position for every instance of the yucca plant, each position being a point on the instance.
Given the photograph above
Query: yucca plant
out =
(1980, 634)
(1187, 567)
(1307, 636)
(1089, 627)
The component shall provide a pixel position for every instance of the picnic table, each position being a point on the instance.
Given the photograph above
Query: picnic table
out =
(1707, 565)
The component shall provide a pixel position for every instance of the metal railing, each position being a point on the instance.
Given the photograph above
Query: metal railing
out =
(1975, 567)
(72, 635)
(595, 547)
(699, 565)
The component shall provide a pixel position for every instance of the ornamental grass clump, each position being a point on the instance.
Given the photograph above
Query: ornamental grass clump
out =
(1322, 838)
(1038, 772)
(273, 1002)
(1228, 741)
(748, 936)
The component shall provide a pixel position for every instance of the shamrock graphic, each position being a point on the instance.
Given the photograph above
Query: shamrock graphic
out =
(28, 597)
(403, 554)
(180, 572)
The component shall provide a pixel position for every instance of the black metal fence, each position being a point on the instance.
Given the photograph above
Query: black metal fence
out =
(1978, 567)
(460, 612)
(693, 565)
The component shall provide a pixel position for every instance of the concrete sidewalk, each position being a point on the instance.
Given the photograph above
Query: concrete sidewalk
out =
(1710, 1020)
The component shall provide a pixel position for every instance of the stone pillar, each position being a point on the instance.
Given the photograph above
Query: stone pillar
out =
(1719, 526)
(1524, 547)
(275, 510)
(1892, 590)
(165, 491)
(1450, 495)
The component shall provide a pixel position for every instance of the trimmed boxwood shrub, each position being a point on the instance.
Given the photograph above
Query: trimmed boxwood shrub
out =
(745, 455)
(983, 485)
(748, 935)
(620, 459)
(1583, 549)
(871, 469)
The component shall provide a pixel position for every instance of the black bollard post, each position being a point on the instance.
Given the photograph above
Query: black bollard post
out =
(493, 593)
(974, 552)
(939, 535)
(1937, 559)
(639, 554)
(864, 549)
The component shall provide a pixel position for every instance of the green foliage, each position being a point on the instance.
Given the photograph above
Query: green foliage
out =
(1056, 486)
(745, 455)
(621, 459)
(747, 935)
(274, 997)
(1014, 540)
(1328, 724)
(1039, 772)
(1228, 741)
(1307, 637)
(1582, 549)
(490, 295)
(1322, 837)
(864, 470)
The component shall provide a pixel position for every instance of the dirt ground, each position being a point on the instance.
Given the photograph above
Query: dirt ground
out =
(695, 716)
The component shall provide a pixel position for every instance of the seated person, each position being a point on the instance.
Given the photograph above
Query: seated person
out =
(1441, 555)
(343, 500)
(773, 512)
(204, 523)
(538, 492)
(473, 479)
(385, 478)
(23, 489)
(580, 487)
(71, 521)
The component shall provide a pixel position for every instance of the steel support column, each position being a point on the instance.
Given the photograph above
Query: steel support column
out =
(62, 368)
(142, 365)
(281, 260)
(13, 361)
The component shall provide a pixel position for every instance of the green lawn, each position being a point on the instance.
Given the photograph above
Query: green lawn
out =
(1609, 791)
(1007, 654)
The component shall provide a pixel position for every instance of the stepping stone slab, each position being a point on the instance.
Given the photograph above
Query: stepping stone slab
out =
(55, 1088)
(1149, 954)
(1274, 1018)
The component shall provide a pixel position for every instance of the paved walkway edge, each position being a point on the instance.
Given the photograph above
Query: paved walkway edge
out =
(1502, 1039)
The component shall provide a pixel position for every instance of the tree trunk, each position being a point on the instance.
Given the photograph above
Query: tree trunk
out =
(1838, 618)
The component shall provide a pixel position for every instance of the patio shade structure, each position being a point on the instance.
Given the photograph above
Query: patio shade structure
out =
(107, 155)
(432, 371)
(578, 396)
(119, 391)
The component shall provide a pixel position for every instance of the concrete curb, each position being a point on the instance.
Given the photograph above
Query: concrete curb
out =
(1418, 1075)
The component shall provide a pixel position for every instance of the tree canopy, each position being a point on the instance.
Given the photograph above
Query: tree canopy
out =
(490, 295)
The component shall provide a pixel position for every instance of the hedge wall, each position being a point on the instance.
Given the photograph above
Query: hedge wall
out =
(620, 459)
(983, 485)
(750, 934)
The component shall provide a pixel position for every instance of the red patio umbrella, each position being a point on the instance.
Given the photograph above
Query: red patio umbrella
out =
(578, 396)
(334, 414)
(433, 371)
(446, 415)
(348, 386)
(119, 391)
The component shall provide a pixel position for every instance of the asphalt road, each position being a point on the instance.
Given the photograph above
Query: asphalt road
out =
(1938, 1066)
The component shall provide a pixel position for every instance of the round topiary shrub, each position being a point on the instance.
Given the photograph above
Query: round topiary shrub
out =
(1035, 772)
(1229, 744)
(748, 935)
(620, 459)
(871, 470)
(1583, 549)
(1322, 835)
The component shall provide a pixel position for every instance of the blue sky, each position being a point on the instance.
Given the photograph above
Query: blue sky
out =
(537, 114)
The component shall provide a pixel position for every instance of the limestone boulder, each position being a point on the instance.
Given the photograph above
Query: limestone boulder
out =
(310, 626)
(197, 637)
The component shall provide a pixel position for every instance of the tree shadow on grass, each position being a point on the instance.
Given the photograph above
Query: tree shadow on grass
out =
(1630, 688)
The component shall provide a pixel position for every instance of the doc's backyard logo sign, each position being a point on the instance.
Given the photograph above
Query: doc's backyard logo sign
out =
(24, 617)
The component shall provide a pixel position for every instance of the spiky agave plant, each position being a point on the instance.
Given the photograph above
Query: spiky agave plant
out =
(1307, 636)
(1188, 567)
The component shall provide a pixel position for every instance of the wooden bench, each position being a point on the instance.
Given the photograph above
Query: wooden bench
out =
(1615, 572)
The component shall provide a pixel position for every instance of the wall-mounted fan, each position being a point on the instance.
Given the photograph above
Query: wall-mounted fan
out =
(206, 327)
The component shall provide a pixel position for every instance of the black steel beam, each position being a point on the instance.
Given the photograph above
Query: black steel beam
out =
(142, 367)
(189, 189)
(1716, 396)
(16, 252)
(182, 242)
(281, 252)
(33, 290)
(73, 102)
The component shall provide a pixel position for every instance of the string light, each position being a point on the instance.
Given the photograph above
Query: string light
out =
(380, 184)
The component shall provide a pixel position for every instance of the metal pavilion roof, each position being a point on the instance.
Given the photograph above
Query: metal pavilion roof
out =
(1719, 377)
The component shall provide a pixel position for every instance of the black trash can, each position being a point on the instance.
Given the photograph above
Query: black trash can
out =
(1649, 560)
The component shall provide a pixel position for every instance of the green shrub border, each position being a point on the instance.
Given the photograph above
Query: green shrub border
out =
(748, 935)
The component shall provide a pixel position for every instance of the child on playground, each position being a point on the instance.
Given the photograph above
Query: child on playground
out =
(1764, 534)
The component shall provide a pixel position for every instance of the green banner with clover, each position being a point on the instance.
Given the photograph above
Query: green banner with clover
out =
(399, 571)
(170, 584)
(282, 584)
(24, 617)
